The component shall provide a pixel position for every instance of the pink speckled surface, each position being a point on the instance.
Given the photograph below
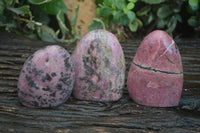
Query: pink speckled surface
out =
(99, 67)
(155, 77)
(46, 79)
(159, 51)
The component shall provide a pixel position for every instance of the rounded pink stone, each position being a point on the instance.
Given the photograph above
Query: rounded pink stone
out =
(99, 67)
(47, 78)
(155, 77)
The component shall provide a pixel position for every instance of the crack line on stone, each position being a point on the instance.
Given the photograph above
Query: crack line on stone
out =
(167, 49)
(155, 70)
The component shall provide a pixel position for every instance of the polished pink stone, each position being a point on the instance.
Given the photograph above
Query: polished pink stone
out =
(99, 67)
(47, 78)
(155, 77)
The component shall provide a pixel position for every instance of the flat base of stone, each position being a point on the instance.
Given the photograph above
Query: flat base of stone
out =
(157, 89)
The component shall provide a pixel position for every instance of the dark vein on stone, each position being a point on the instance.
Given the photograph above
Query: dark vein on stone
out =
(155, 70)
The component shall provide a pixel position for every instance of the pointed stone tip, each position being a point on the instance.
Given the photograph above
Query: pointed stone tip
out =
(158, 34)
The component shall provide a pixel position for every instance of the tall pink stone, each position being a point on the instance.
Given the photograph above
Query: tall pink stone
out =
(155, 77)
(99, 67)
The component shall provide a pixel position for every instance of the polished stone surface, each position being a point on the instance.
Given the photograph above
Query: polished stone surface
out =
(99, 66)
(155, 77)
(47, 78)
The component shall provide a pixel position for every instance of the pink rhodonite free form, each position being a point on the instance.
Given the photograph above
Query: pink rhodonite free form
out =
(47, 78)
(99, 67)
(155, 77)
